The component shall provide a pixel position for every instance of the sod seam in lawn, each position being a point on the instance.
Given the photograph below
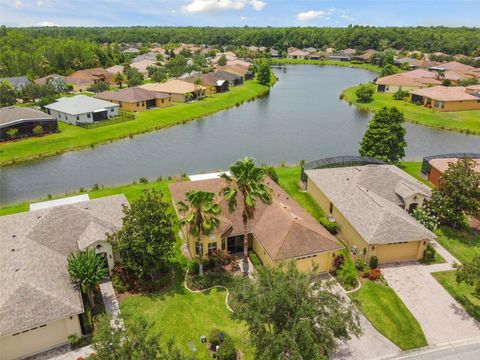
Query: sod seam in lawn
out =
(462, 121)
(73, 137)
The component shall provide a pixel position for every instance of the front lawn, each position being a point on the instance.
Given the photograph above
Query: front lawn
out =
(464, 244)
(389, 315)
(463, 293)
(463, 121)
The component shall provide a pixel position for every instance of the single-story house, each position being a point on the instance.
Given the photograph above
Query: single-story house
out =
(298, 54)
(349, 51)
(281, 231)
(317, 56)
(147, 56)
(371, 206)
(136, 99)
(446, 98)
(17, 82)
(466, 71)
(437, 166)
(237, 69)
(232, 78)
(212, 83)
(365, 56)
(92, 76)
(179, 90)
(78, 85)
(81, 109)
(274, 53)
(408, 81)
(131, 50)
(39, 305)
(115, 69)
(310, 49)
(25, 120)
(142, 65)
(44, 80)
(339, 57)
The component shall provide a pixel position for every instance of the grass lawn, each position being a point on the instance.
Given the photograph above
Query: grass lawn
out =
(463, 121)
(464, 244)
(389, 315)
(284, 61)
(73, 137)
(414, 168)
(463, 293)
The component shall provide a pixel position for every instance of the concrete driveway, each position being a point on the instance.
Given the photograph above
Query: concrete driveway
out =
(440, 316)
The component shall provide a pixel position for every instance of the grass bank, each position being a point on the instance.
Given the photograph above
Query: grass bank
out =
(389, 315)
(73, 137)
(461, 121)
(284, 61)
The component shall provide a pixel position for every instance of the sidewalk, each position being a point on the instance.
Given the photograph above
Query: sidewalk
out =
(449, 258)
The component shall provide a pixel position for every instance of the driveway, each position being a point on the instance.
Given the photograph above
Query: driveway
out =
(440, 316)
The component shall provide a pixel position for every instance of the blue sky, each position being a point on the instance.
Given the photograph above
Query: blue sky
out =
(239, 12)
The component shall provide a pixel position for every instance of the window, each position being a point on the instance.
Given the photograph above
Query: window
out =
(212, 247)
(223, 243)
(163, 100)
(78, 117)
(198, 248)
(111, 110)
(88, 116)
(138, 104)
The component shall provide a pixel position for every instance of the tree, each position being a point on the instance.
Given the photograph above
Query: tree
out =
(469, 273)
(222, 60)
(157, 74)
(198, 83)
(459, 193)
(146, 240)
(119, 79)
(38, 130)
(98, 87)
(59, 85)
(247, 184)
(7, 94)
(86, 270)
(425, 217)
(134, 77)
(199, 217)
(364, 92)
(115, 340)
(291, 315)
(384, 138)
(177, 66)
(387, 70)
(263, 74)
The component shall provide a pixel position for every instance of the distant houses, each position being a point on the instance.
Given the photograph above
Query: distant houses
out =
(136, 99)
(17, 82)
(81, 80)
(17, 122)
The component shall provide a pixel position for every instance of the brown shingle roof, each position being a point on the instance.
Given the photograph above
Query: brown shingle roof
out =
(173, 86)
(96, 74)
(130, 95)
(445, 93)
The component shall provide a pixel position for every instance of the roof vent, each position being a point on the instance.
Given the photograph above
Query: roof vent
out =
(13, 250)
(14, 236)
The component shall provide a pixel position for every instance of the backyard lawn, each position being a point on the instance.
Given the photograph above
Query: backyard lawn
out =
(464, 244)
(463, 121)
(389, 315)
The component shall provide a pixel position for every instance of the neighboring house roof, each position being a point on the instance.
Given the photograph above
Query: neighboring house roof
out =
(236, 69)
(130, 95)
(349, 51)
(96, 74)
(405, 80)
(284, 229)
(442, 164)
(225, 75)
(147, 56)
(298, 53)
(458, 68)
(15, 114)
(35, 245)
(17, 81)
(446, 93)
(131, 50)
(79, 104)
(44, 80)
(474, 89)
(208, 79)
(370, 196)
(173, 86)
(115, 69)
(239, 62)
(142, 65)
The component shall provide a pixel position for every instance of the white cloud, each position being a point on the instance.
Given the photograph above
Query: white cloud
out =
(211, 6)
(46, 23)
(347, 17)
(18, 4)
(312, 14)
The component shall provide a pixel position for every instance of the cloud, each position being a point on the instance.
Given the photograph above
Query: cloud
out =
(212, 6)
(347, 17)
(18, 4)
(46, 23)
(312, 14)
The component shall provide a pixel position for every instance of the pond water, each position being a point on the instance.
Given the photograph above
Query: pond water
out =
(302, 118)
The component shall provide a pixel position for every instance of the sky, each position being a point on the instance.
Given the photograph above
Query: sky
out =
(336, 13)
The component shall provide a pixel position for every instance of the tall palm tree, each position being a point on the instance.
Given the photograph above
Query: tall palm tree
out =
(246, 183)
(119, 79)
(199, 217)
(198, 86)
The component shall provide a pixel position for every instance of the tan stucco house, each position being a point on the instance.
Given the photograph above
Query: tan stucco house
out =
(447, 98)
(371, 206)
(280, 232)
(178, 90)
(136, 99)
(39, 306)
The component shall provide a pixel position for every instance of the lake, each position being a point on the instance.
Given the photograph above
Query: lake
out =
(302, 119)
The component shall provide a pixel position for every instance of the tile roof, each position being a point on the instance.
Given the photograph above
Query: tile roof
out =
(35, 245)
(403, 80)
(284, 229)
(14, 114)
(130, 95)
(173, 86)
(442, 164)
(115, 69)
(79, 104)
(96, 74)
(446, 93)
(369, 197)
(142, 65)
(44, 80)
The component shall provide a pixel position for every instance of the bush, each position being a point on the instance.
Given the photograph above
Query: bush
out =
(193, 267)
(374, 262)
(38, 130)
(364, 93)
(338, 261)
(12, 133)
(425, 217)
(429, 254)
(374, 274)
(331, 226)
(143, 180)
(227, 347)
(118, 284)
(400, 95)
(360, 264)
(254, 259)
(347, 275)
(74, 340)
(98, 87)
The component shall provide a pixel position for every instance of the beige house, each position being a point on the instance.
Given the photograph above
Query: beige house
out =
(179, 90)
(408, 81)
(371, 206)
(447, 98)
(39, 306)
(280, 232)
(143, 65)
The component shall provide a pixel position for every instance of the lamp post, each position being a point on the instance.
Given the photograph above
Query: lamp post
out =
(221, 337)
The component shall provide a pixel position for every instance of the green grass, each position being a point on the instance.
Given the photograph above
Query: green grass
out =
(414, 169)
(463, 243)
(284, 61)
(73, 137)
(438, 259)
(463, 293)
(462, 121)
(389, 315)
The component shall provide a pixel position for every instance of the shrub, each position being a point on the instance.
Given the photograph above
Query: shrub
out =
(118, 283)
(12, 133)
(374, 274)
(74, 340)
(347, 275)
(254, 259)
(400, 95)
(425, 217)
(374, 262)
(38, 130)
(338, 261)
(364, 93)
(360, 264)
(193, 267)
(143, 180)
(429, 253)
(446, 82)
(214, 336)
(227, 350)
(331, 226)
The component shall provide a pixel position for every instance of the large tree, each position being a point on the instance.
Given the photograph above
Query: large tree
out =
(86, 270)
(146, 240)
(291, 315)
(458, 194)
(247, 184)
(264, 73)
(199, 217)
(469, 273)
(384, 138)
(7, 94)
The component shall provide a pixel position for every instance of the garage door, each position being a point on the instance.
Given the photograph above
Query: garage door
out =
(32, 341)
(322, 261)
(397, 252)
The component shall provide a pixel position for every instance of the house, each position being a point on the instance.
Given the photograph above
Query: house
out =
(17, 82)
(433, 167)
(115, 69)
(232, 78)
(339, 57)
(274, 53)
(91, 76)
(81, 109)
(131, 50)
(44, 80)
(465, 71)
(179, 90)
(317, 56)
(349, 51)
(371, 206)
(408, 81)
(281, 231)
(298, 54)
(237, 69)
(136, 99)
(212, 83)
(365, 56)
(39, 305)
(446, 98)
(143, 65)
(310, 49)
(25, 120)
(147, 56)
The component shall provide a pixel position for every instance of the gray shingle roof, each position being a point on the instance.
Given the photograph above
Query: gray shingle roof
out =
(17, 82)
(34, 247)
(369, 197)
(16, 114)
(79, 104)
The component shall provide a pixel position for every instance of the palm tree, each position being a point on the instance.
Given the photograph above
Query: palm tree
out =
(198, 84)
(119, 79)
(199, 217)
(440, 74)
(86, 269)
(246, 183)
